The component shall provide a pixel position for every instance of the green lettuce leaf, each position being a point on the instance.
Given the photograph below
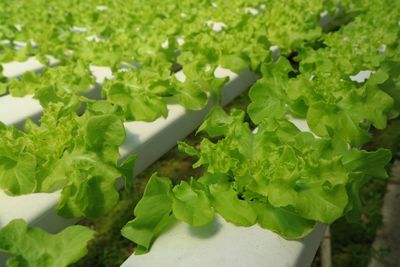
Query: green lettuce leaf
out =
(268, 94)
(90, 185)
(372, 163)
(16, 172)
(152, 214)
(282, 221)
(34, 247)
(226, 202)
(191, 205)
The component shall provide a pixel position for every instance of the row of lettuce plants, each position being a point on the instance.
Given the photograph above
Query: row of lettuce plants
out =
(143, 42)
(279, 177)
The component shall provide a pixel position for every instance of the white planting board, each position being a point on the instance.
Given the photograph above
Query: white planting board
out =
(223, 244)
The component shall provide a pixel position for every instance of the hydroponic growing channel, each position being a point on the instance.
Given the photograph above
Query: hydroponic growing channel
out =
(106, 82)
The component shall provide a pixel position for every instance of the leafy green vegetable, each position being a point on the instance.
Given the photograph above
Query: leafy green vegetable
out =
(293, 22)
(227, 203)
(82, 161)
(268, 94)
(142, 43)
(288, 167)
(367, 162)
(30, 246)
(130, 94)
(191, 204)
(16, 170)
(152, 214)
(279, 162)
(282, 221)
(279, 177)
(56, 85)
(332, 106)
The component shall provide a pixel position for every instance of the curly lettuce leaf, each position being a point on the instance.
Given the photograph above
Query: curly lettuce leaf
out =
(82, 162)
(88, 185)
(64, 84)
(226, 202)
(352, 112)
(132, 94)
(333, 106)
(191, 204)
(293, 22)
(193, 93)
(290, 168)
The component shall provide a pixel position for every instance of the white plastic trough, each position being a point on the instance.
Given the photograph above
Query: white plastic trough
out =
(223, 244)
